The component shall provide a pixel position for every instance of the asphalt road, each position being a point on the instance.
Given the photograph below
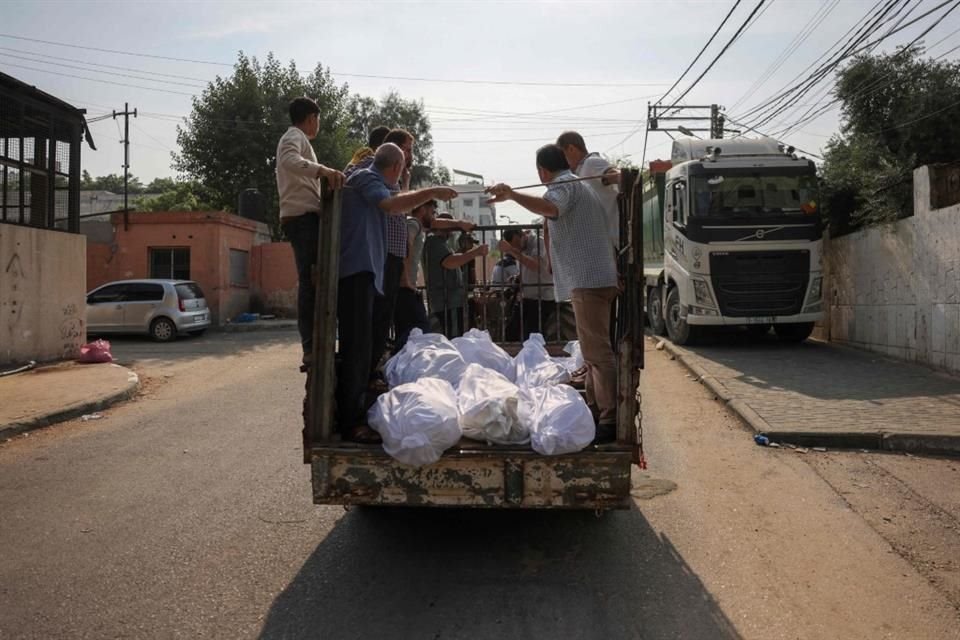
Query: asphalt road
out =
(187, 513)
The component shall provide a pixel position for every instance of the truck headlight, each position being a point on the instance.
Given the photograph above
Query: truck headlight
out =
(816, 290)
(701, 292)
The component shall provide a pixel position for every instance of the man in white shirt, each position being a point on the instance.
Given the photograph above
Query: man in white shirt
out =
(537, 299)
(588, 165)
(298, 181)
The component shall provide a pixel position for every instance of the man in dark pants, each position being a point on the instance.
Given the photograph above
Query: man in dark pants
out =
(385, 304)
(298, 181)
(446, 281)
(368, 202)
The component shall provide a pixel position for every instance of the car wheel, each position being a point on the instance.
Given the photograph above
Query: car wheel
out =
(796, 332)
(163, 330)
(678, 330)
(655, 311)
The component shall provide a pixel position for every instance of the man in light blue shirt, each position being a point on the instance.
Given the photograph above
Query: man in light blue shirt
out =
(367, 201)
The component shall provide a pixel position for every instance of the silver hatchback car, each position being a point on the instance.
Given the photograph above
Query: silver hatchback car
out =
(160, 308)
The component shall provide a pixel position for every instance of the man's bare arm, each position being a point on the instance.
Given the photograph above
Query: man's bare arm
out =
(399, 205)
(539, 206)
(457, 260)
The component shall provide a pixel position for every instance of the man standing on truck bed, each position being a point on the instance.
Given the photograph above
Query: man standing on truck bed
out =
(584, 271)
(367, 202)
(298, 181)
(385, 304)
(588, 165)
(585, 164)
(446, 280)
(410, 312)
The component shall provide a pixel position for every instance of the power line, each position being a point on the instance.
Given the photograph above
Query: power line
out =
(816, 77)
(851, 48)
(864, 90)
(749, 128)
(857, 30)
(350, 75)
(690, 66)
(868, 88)
(735, 37)
(109, 73)
(105, 66)
(154, 138)
(808, 29)
(119, 84)
(115, 51)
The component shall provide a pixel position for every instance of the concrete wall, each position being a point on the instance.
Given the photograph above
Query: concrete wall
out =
(273, 279)
(42, 294)
(209, 235)
(896, 289)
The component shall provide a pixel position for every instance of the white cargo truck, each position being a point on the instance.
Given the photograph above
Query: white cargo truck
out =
(732, 236)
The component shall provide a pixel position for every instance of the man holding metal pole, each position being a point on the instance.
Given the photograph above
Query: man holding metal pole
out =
(584, 271)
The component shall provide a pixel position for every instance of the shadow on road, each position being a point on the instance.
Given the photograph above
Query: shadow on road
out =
(406, 573)
(819, 370)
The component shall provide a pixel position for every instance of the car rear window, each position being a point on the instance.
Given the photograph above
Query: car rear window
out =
(189, 291)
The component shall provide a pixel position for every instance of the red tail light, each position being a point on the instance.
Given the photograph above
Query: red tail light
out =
(180, 302)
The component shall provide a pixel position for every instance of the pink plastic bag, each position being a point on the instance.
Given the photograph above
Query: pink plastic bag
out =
(96, 351)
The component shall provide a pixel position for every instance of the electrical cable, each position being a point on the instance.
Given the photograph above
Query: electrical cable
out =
(697, 57)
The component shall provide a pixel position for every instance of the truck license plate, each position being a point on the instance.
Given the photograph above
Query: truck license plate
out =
(769, 320)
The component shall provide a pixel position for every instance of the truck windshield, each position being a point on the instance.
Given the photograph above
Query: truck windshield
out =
(718, 196)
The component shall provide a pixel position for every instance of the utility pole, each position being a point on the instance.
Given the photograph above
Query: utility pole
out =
(716, 122)
(686, 119)
(126, 113)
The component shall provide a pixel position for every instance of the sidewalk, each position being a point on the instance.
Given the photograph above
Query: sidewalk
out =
(259, 325)
(60, 392)
(817, 394)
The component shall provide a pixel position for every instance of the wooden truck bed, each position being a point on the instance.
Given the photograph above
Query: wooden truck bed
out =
(474, 474)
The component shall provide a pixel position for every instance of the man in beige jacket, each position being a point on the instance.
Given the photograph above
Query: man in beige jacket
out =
(298, 181)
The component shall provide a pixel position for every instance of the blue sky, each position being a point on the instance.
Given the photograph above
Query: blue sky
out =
(641, 47)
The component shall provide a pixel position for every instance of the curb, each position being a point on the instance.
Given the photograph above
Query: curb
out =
(921, 443)
(245, 327)
(74, 411)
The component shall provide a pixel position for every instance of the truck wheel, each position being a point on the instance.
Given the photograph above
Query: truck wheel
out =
(163, 330)
(678, 330)
(797, 332)
(655, 311)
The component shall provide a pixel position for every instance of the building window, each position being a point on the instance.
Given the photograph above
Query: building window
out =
(239, 267)
(170, 263)
(467, 202)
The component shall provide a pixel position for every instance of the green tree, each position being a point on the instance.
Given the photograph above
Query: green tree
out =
(394, 111)
(179, 196)
(898, 114)
(112, 183)
(229, 140)
(161, 185)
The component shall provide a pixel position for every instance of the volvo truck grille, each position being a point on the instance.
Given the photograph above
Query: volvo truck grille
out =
(760, 283)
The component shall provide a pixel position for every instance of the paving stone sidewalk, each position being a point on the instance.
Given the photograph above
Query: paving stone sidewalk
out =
(820, 394)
